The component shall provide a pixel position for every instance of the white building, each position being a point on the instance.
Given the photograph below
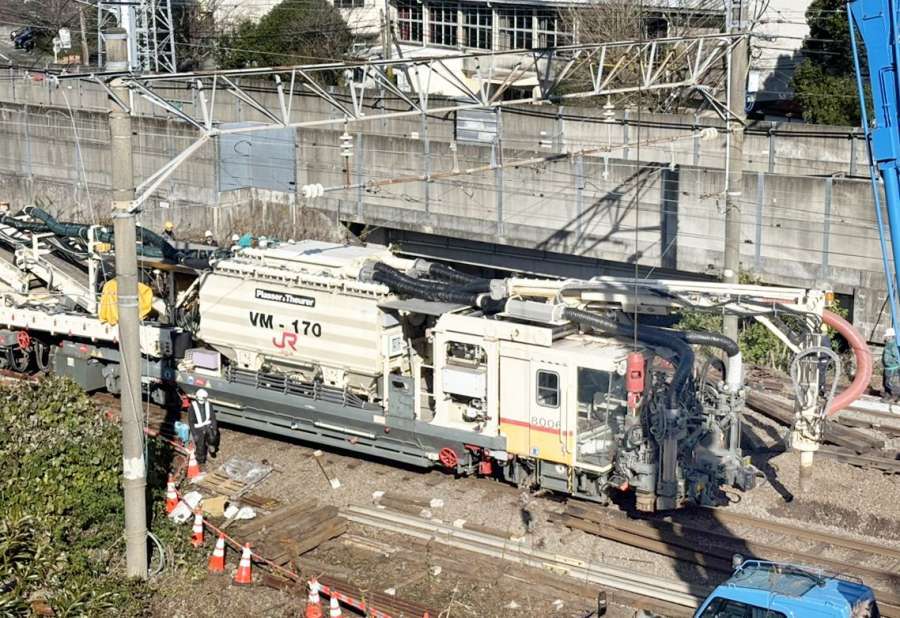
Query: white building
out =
(363, 17)
(776, 52)
(447, 27)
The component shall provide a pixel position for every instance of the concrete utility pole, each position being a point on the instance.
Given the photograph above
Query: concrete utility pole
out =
(386, 31)
(134, 467)
(85, 50)
(736, 19)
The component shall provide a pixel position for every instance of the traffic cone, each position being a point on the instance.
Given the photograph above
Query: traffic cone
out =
(193, 467)
(313, 603)
(243, 574)
(334, 608)
(197, 530)
(171, 495)
(217, 560)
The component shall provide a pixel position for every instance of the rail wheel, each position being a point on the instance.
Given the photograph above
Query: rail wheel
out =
(448, 458)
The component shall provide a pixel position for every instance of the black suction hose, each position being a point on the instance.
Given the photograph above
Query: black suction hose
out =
(716, 340)
(447, 273)
(151, 243)
(399, 282)
(28, 226)
(648, 335)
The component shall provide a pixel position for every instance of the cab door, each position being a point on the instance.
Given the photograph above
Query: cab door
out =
(549, 434)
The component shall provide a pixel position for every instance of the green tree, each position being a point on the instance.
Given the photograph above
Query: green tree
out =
(307, 32)
(825, 83)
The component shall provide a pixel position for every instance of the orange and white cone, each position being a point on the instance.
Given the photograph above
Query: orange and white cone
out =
(313, 603)
(171, 495)
(334, 608)
(243, 574)
(193, 470)
(197, 530)
(217, 560)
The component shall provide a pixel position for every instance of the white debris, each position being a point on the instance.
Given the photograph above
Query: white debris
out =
(185, 509)
(335, 484)
(425, 514)
(459, 523)
(512, 605)
(436, 503)
(377, 495)
(557, 604)
(436, 570)
(245, 512)
(391, 591)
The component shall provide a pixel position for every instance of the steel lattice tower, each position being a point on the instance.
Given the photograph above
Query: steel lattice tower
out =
(151, 33)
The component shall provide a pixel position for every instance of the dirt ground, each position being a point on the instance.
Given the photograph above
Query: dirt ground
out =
(846, 499)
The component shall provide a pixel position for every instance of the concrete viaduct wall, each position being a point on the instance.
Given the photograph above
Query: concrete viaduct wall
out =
(809, 230)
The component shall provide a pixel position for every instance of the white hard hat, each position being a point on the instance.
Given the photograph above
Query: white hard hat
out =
(207, 233)
(202, 394)
(889, 333)
(235, 237)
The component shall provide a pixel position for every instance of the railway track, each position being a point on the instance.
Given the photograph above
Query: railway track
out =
(711, 539)
(681, 597)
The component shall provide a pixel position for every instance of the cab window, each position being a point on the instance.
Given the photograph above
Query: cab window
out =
(728, 608)
(548, 389)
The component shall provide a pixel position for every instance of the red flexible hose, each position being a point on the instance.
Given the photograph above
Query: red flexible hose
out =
(863, 361)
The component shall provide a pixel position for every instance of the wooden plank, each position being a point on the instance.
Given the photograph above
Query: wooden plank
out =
(264, 503)
(422, 503)
(253, 526)
(307, 521)
(326, 531)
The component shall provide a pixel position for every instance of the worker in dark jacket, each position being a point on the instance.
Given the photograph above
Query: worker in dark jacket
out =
(169, 231)
(890, 358)
(204, 428)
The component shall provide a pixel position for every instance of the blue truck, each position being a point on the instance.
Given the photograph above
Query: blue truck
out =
(759, 589)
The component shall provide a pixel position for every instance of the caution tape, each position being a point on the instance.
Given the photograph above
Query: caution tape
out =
(328, 591)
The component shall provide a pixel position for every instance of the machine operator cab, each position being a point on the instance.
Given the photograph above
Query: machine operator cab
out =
(760, 589)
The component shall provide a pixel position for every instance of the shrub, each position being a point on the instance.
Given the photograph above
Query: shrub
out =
(62, 522)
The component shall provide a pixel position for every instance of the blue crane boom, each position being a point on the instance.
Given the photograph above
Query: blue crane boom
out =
(878, 24)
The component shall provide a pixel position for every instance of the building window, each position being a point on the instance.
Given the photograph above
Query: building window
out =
(409, 22)
(548, 389)
(478, 28)
(515, 29)
(442, 22)
(552, 29)
(656, 27)
(348, 4)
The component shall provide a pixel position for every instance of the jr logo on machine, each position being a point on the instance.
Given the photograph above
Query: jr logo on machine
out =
(284, 297)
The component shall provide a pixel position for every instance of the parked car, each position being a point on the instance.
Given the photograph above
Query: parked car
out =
(24, 38)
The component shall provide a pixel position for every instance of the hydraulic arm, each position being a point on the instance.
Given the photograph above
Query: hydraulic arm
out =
(878, 24)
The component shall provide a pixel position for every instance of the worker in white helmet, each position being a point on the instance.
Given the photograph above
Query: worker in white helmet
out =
(209, 240)
(204, 428)
(890, 359)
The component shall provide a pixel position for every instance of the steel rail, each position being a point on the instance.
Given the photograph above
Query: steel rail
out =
(722, 515)
(671, 591)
